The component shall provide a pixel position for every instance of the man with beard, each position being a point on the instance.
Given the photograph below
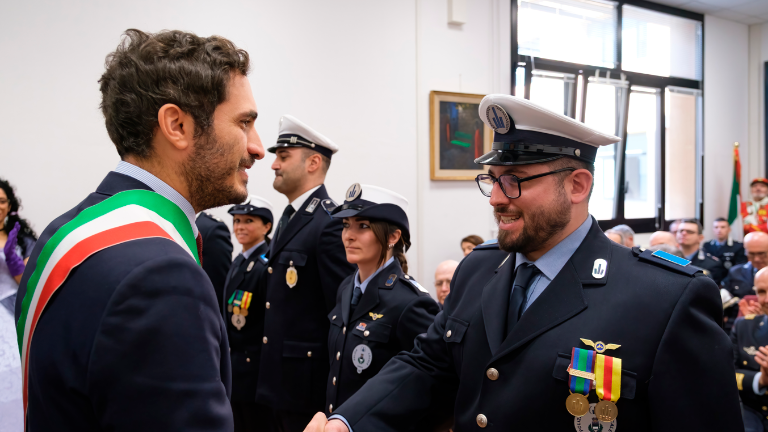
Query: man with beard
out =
(572, 330)
(755, 213)
(307, 263)
(118, 324)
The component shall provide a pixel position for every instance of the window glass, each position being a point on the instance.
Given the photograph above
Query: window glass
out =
(520, 81)
(603, 99)
(576, 31)
(660, 44)
(681, 107)
(640, 155)
(552, 91)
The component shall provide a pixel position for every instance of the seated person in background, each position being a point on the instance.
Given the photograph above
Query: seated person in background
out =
(755, 213)
(723, 247)
(750, 352)
(740, 277)
(468, 243)
(674, 225)
(628, 233)
(663, 237)
(668, 249)
(615, 236)
(689, 237)
(443, 276)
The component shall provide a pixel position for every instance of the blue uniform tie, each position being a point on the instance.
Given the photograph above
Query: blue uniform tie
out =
(287, 213)
(355, 299)
(523, 277)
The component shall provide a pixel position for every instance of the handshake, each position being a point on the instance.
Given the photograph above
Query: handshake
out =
(320, 424)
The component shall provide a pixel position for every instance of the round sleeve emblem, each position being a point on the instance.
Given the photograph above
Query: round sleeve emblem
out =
(498, 119)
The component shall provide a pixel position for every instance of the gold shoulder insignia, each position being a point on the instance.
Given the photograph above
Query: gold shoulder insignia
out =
(375, 316)
(750, 316)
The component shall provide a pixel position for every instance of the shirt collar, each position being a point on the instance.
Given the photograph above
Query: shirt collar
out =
(364, 284)
(160, 187)
(553, 261)
(299, 202)
(247, 254)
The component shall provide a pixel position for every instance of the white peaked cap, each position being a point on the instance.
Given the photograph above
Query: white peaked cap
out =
(377, 195)
(260, 202)
(290, 125)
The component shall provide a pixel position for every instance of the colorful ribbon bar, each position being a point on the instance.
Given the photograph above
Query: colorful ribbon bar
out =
(608, 377)
(239, 298)
(246, 300)
(232, 298)
(584, 361)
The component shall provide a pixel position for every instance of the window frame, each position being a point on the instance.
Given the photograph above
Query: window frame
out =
(644, 225)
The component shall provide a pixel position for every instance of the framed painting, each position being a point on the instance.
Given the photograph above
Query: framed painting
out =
(457, 136)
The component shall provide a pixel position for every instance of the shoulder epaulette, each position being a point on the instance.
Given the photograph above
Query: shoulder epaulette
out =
(491, 244)
(415, 284)
(216, 218)
(328, 205)
(263, 258)
(666, 260)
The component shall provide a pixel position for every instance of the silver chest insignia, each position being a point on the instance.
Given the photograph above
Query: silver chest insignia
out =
(362, 357)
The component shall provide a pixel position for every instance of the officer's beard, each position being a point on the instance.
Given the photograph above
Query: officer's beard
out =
(540, 225)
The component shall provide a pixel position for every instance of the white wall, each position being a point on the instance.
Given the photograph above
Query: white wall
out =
(358, 71)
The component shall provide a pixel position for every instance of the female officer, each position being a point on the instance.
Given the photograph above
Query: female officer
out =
(243, 309)
(379, 309)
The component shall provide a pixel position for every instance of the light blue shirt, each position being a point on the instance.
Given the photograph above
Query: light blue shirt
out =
(364, 283)
(160, 187)
(549, 265)
(553, 261)
(247, 254)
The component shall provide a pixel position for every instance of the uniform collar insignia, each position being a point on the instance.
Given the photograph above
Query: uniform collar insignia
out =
(599, 346)
(375, 316)
(391, 279)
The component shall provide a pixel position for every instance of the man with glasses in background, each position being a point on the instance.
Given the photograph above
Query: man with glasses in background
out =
(568, 318)
(689, 236)
(740, 279)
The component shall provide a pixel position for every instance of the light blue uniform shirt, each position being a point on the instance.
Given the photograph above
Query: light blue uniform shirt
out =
(160, 187)
(549, 265)
(247, 254)
(364, 283)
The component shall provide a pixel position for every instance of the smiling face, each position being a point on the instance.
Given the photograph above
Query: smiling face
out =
(360, 242)
(249, 230)
(215, 171)
(529, 222)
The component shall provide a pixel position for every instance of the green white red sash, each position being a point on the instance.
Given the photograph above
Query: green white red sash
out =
(126, 216)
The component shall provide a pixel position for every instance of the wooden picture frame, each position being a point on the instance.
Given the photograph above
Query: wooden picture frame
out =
(457, 136)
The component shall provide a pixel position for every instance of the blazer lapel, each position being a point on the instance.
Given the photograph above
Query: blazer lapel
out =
(300, 218)
(239, 273)
(346, 298)
(369, 301)
(495, 303)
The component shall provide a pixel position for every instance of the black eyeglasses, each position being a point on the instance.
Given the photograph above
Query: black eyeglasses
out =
(509, 183)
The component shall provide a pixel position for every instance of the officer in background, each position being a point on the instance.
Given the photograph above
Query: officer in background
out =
(689, 236)
(379, 309)
(572, 330)
(723, 247)
(217, 253)
(243, 313)
(750, 352)
(740, 279)
(307, 263)
(755, 212)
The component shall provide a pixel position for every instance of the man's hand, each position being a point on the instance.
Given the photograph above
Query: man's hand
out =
(750, 307)
(320, 424)
(762, 359)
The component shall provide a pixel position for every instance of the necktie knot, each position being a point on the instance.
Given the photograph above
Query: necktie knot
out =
(356, 296)
(523, 277)
(287, 213)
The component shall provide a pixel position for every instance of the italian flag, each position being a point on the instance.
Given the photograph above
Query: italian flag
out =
(733, 208)
(126, 216)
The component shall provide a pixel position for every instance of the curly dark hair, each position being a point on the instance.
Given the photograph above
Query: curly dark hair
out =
(13, 216)
(147, 71)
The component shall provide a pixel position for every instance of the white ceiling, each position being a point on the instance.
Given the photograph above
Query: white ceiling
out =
(743, 11)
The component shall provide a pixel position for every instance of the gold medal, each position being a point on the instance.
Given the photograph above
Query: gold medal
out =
(238, 321)
(236, 310)
(606, 411)
(291, 276)
(577, 404)
(244, 312)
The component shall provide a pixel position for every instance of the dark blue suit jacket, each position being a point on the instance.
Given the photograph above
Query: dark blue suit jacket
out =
(217, 250)
(132, 341)
(739, 283)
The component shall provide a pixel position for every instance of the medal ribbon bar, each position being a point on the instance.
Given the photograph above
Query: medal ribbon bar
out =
(608, 377)
(581, 361)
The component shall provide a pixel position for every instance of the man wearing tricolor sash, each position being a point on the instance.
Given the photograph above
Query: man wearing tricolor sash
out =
(118, 325)
(569, 331)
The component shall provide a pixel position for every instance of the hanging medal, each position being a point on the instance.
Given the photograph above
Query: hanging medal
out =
(237, 319)
(362, 357)
(581, 371)
(291, 276)
(608, 387)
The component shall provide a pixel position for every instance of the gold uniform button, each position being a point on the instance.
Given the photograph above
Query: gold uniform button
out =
(309, 353)
(334, 380)
(492, 374)
(334, 318)
(482, 421)
(330, 408)
(265, 339)
(338, 354)
(269, 269)
(248, 360)
(448, 333)
(268, 305)
(366, 333)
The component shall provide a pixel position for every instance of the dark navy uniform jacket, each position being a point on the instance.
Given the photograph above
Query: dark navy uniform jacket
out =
(750, 333)
(217, 250)
(390, 314)
(739, 282)
(132, 341)
(245, 344)
(730, 254)
(665, 317)
(711, 265)
(294, 356)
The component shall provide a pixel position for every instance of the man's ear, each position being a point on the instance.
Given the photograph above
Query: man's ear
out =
(581, 183)
(176, 126)
(313, 162)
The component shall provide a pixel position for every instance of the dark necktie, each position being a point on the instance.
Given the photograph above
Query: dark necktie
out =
(199, 241)
(287, 213)
(523, 277)
(236, 265)
(355, 299)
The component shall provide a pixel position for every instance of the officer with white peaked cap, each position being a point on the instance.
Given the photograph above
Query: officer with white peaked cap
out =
(307, 263)
(380, 309)
(570, 330)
